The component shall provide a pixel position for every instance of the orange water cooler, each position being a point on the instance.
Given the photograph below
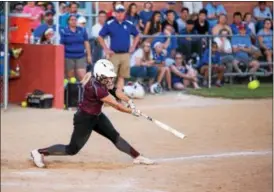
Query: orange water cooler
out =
(23, 24)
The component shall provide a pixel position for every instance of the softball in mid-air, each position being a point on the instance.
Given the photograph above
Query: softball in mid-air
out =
(253, 84)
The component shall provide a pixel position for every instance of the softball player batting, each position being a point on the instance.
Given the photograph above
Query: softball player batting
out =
(89, 117)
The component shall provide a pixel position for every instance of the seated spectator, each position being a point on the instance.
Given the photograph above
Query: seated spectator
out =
(182, 75)
(142, 64)
(145, 14)
(222, 24)
(163, 70)
(213, 11)
(132, 14)
(251, 27)
(35, 12)
(50, 7)
(81, 21)
(266, 42)
(241, 46)
(169, 6)
(217, 67)
(154, 26)
(249, 23)
(169, 43)
(189, 45)
(73, 10)
(111, 13)
(170, 19)
(260, 13)
(201, 25)
(225, 49)
(48, 23)
(182, 20)
(237, 22)
(193, 6)
(47, 37)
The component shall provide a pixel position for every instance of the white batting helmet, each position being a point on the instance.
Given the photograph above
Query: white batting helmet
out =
(103, 68)
(135, 91)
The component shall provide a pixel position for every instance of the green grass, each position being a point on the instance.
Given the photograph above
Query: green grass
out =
(235, 92)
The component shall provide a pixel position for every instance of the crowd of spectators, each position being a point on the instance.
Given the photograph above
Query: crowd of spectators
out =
(160, 56)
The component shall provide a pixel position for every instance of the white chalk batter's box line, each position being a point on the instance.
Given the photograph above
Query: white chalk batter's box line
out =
(219, 155)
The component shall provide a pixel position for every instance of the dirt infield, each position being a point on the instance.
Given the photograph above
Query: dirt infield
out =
(228, 149)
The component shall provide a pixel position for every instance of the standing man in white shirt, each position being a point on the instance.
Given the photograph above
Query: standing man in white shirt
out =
(97, 49)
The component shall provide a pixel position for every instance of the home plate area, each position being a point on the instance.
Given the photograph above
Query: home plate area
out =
(227, 148)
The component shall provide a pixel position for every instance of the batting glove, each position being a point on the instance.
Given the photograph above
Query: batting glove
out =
(136, 112)
(131, 105)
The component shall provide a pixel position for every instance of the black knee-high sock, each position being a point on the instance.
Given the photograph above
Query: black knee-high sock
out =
(122, 145)
(54, 150)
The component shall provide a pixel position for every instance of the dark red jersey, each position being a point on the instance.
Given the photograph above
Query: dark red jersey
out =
(91, 102)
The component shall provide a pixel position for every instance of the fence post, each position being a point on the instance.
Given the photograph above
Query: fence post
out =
(209, 63)
(57, 15)
(6, 56)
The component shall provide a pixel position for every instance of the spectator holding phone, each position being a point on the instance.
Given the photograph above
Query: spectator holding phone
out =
(216, 65)
(169, 43)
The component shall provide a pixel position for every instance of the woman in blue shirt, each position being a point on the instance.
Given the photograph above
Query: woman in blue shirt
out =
(132, 14)
(146, 14)
(182, 75)
(266, 42)
(77, 49)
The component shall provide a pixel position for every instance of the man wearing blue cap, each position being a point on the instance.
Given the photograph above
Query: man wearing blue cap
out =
(119, 30)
